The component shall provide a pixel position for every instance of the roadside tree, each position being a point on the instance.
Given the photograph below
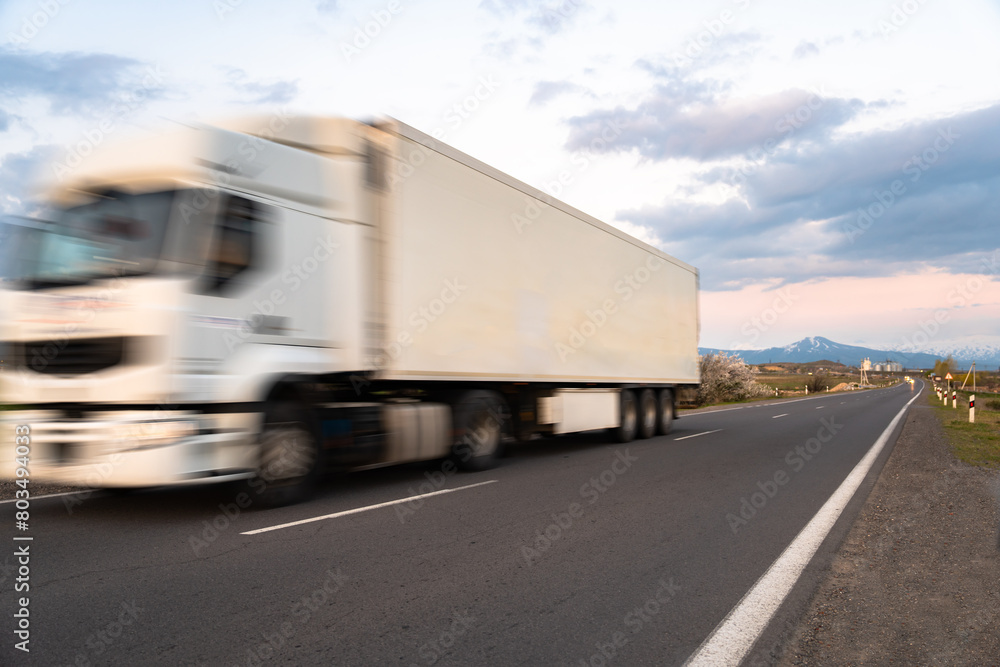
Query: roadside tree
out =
(727, 377)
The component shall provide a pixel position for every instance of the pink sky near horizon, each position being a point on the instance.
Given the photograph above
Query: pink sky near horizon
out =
(915, 311)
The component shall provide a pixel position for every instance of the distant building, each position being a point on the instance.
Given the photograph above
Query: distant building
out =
(888, 367)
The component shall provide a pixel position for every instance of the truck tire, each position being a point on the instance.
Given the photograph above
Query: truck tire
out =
(479, 419)
(625, 432)
(648, 413)
(289, 457)
(664, 411)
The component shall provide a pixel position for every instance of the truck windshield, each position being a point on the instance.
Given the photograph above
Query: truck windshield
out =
(114, 234)
(19, 243)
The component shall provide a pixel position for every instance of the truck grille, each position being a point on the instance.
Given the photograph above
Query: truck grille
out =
(77, 356)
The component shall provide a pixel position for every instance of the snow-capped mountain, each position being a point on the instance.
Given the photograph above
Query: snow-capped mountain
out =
(984, 350)
(817, 348)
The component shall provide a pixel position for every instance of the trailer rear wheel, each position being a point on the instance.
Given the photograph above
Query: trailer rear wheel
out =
(479, 419)
(629, 417)
(647, 414)
(289, 457)
(664, 411)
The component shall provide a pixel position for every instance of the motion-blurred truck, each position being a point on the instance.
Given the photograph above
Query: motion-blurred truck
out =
(273, 297)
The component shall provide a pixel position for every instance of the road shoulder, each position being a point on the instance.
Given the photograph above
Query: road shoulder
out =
(917, 580)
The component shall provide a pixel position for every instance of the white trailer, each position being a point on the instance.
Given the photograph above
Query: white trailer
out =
(276, 296)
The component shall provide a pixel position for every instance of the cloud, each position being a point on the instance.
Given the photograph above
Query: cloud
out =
(505, 7)
(869, 204)
(680, 84)
(695, 55)
(846, 172)
(549, 90)
(805, 49)
(551, 17)
(75, 83)
(524, 27)
(17, 173)
(557, 16)
(683, 119)
(254, 92)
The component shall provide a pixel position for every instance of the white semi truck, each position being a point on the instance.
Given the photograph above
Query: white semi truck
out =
(272, 297)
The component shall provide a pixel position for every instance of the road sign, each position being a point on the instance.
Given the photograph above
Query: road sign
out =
(948, 376)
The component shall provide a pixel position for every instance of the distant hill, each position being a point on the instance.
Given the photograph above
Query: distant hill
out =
(817, 348)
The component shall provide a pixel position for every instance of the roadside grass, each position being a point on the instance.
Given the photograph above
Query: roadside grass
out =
(785, 382)
(976, 444)
(799, 382)
(686, 402)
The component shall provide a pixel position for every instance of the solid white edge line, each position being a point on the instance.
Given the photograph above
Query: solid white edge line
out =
(733, 638)
(50, 495)
(697, 434)
(358, 510)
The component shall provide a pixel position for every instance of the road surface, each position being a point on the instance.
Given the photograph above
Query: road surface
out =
(572, 552)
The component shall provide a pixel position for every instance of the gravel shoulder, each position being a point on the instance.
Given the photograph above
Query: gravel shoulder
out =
(917, 579)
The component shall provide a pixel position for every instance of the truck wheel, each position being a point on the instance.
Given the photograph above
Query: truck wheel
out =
(664, 411)
(289, 457)
(629, 417)
(479, 418)
(647, 414)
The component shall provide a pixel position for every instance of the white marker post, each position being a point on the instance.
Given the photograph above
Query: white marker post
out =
(972, 409)
(954, 398)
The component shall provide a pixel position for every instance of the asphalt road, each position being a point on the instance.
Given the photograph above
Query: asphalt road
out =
(572, 552)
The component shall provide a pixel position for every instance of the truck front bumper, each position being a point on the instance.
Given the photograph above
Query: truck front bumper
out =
(126, 448)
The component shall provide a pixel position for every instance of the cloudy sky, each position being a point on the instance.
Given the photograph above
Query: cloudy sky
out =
(832, 169)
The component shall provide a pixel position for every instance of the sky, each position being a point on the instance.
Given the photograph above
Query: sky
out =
(832, 169)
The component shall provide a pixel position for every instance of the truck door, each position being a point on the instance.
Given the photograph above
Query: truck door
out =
(230, 303)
